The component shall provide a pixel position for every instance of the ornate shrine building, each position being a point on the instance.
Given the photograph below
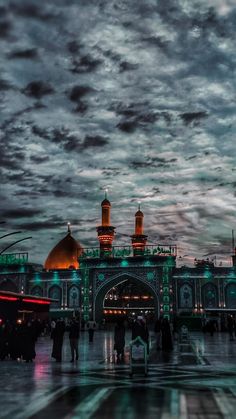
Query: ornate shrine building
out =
(109, 281)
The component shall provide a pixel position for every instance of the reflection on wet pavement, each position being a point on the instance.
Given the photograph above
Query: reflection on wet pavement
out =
(196, 380)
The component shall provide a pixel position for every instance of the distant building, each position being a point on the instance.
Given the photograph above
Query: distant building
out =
(110, 281)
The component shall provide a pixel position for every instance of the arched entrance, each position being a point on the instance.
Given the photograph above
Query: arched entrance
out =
(126, 295)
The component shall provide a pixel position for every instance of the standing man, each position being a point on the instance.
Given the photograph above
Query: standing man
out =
(74, 333)
(91, 327)
(57, 336)
(157, 330)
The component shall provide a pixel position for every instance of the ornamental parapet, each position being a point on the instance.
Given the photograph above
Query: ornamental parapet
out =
(127, 251)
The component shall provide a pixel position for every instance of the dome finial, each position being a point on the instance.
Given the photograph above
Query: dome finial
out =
(68, 227)
(106, 190)
(139, 205)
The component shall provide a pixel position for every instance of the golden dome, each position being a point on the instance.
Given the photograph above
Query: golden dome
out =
(65, 254)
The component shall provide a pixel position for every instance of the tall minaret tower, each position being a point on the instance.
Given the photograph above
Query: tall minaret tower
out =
(106, 232)
(139, 239)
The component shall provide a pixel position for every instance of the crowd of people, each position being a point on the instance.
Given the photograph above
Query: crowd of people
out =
(17, 340)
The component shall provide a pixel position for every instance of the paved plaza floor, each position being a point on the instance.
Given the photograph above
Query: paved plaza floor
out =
(197, 380)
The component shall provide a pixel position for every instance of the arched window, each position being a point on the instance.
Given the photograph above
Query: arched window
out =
(55, 293)
(73, 297)
(209, 296)
(231, 296)
(186, 296)
(37, 291)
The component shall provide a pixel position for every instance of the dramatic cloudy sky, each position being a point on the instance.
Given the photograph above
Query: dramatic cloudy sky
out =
(134, 96)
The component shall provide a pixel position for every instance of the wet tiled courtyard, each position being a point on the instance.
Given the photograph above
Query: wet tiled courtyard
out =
(198, 380)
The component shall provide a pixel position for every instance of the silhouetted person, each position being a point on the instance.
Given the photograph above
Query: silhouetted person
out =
(3, 342)
(230, 322)
(74, 333)
(157, 330)
(119, 340)
(28, 339)
(211, 327)
(166, 336)
(91, 327)
(57, 336)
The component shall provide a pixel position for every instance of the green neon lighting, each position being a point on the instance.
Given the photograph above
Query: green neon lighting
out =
(147, 263)
(85, 282)
(75, 277)
(13, 259)
(37, 277)
(150, 276)
(102, 265)
(101, 277)
(207, 274)
(55, 277)
(124, 263)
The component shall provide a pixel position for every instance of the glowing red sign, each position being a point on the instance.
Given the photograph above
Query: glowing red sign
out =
(28, 300)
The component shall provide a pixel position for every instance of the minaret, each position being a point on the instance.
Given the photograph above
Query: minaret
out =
(139, 239)
(106, 232)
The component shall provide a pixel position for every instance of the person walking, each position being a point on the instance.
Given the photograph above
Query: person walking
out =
(57, 336)
(91, 327)
(119, 341)
(28, 342)
(157, 330)
(167, 344)
(231, 327)
(74, 334)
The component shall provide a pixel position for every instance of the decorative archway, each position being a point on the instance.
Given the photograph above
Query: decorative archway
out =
(55, 293)
(209, 295)
(117, 279)
(185, 297)
(37, 290)
(230, 294)
(73, 297)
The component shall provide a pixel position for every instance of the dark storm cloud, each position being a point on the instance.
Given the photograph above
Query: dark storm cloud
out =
(77, 92)
(81, 107)
(138, 115)
(5, 28)
(39, 159)
(189, 117)
(68, 141)
(5, 85)
(38, 89)
(85, 64)
(21, 213)
(41, 225)
(153, 162)
(91, 141)
(29, 10)
(11, 158)
(29, 54)
(126, 66)
(127, 126)
(74, 47)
